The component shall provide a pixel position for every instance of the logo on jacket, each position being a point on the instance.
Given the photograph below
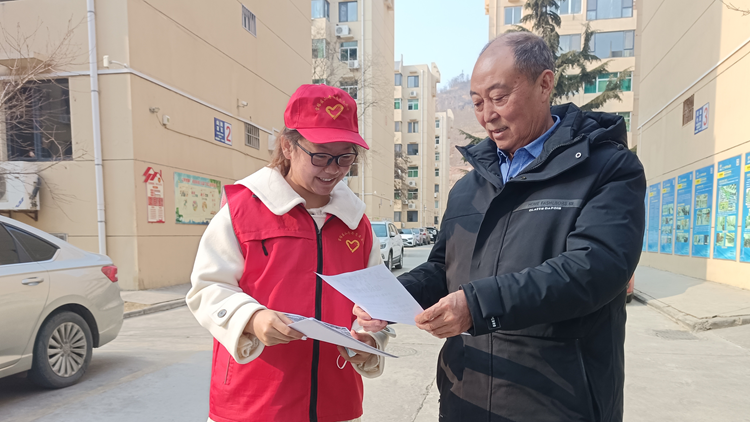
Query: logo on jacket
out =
(352, 239)
(550, 204)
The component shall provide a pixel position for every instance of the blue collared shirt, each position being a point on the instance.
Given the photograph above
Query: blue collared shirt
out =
(510, 168)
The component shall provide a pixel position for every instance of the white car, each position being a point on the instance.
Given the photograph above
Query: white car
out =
(57, 302)
(408, 237)
(391, 246)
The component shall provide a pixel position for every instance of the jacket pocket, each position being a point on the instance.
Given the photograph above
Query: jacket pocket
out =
(222, 370)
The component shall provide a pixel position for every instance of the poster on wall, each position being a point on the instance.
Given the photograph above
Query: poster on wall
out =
(653, 218)
(667, 217)
(645, 232)
(197, 199)
(155, 195)
(727, 208)
(222, 131)
(684, 203)
(704, 188)
(745, 249)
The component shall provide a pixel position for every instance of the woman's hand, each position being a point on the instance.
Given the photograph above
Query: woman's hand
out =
(272, 328)
(360, 357)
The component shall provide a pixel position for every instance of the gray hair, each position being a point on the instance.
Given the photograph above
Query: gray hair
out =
(531, 55)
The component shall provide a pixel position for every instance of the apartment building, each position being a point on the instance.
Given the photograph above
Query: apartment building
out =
(414, 118)
(693, 62)
(353, 48)
(443, 125)
(614, 42)
(190, 97)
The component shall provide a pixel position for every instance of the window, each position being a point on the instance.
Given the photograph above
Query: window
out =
(353, 170)
(348, 11)
(397, 216)
(413, 172)
(38, 249)
(412, 81)
(613, 44)
(436, 220)
(437, 172)
(248, 21)
(413, 105)
(319, 48)
(687, 110)
(437, 204)
(397, 148)
(413, 193)
(321, 9)
(398, 126)
(437, 123)
(570, 42)
(398, 81)
(437, 156)
(8, 252)
(396, 194)
(38, 129)
(397, 104)
(609, 9)
(350, 87)
(412, 127)
(568, 7)
(412, 149)
(437, 188)
(319, 82)
(626, 116)
(348, 51)
(437, 140)
(603, 80)
(252, 136)
(513, 15)
(412, 216)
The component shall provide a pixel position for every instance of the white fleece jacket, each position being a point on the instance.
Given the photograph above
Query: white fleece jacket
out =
(217, 301)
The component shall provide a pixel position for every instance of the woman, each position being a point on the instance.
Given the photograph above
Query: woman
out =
(258, 258)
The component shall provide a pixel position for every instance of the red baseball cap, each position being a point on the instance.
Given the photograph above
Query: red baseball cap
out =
(324, 114)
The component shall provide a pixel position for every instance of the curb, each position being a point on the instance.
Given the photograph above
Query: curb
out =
(164, 306)
(689, 321)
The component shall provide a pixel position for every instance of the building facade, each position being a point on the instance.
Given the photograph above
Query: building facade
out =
(443, 125)
(414, 124)
(353, 48)
(692, 100)
(191, 96)
(614, 41)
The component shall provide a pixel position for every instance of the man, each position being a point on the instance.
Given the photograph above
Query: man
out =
(534, 255)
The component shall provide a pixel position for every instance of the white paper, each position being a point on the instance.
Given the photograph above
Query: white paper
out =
(378, 292)
(329, 333)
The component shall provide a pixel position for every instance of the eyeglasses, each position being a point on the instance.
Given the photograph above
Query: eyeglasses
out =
(320, 159)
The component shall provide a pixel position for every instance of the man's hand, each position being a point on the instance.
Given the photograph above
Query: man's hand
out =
(447, 318)
(271, 328)
(360, 357)
(365, 320)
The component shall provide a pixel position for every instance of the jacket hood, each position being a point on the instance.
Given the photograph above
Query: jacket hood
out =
(276, 194)
(575, 127)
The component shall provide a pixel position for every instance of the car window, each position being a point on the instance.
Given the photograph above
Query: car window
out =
(38, 249)
(392, 229)
(380, 230)
(8, 253)
(405, 231)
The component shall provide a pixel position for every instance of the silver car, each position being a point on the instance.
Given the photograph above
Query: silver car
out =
(57, 302)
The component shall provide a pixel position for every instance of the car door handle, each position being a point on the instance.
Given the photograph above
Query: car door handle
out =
(33, 281)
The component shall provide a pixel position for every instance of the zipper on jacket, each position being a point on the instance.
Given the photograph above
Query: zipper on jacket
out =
(318, 315)
(263, 245)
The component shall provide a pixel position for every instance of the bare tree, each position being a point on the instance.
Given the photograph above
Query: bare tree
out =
(400, 173)
(730, 6)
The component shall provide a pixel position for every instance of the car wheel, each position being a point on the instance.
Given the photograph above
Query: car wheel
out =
(629, 298)
(400, 264)
(62, 351)
(389, 262)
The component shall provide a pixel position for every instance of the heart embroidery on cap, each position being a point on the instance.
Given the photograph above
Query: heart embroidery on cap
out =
(353, 245)
(335, 112)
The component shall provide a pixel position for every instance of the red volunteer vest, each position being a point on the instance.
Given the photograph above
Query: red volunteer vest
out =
(299, 381)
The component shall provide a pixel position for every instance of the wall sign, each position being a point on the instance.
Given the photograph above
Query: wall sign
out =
(727, 204)
(704, 187)
(701, 119)
(155, 195)
(745, 246)
(684, 203)
(667, 217)
(653, 218)
(197, 199)
(222, 131)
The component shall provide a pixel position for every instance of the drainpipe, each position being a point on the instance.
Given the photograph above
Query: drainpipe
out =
(421, 146)
(361, 95)
(102, 228)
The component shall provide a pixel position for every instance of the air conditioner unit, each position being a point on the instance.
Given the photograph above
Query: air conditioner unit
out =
(437, 146)
(353, 64)
(19, 192)
(412, 183)
(436, 194)
(413, 94)
(437, 163)
(404, 201)
(343, 31)
(412, 206)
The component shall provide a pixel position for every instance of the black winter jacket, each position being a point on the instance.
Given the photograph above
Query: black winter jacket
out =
(544, 261)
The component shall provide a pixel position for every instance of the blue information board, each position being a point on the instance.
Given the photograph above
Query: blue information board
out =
(727, 208)
(704, 188)
(667, 216)
(684, 203)
(653, 218)
(745, 245)
(645, 232)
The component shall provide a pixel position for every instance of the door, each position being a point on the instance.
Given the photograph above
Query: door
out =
(24, 286)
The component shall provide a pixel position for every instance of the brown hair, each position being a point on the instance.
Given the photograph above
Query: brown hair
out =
(278, 161)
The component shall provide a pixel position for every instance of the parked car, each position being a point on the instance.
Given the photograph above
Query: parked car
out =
(425, 236)
(418, 237)
(58, 303)
(408, 237)
(433, 233)
(391, 245)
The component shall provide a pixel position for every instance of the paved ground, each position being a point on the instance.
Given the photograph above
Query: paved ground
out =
(159, 366)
